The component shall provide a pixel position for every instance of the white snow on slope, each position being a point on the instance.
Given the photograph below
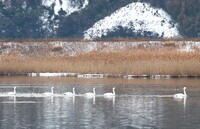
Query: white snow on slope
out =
(69, 6)
(139, 17)
(7, 3)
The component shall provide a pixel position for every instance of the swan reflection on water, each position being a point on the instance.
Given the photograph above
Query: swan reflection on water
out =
(69, 99)
(88, 98)
(182, 100)
(111, 98)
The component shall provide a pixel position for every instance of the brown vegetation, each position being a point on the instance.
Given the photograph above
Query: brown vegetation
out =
(140, 62)
(56, 48)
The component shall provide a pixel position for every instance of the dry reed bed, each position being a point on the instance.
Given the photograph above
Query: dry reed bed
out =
(140, 62)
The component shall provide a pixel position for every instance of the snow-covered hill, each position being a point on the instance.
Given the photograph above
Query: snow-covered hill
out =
(139, 18)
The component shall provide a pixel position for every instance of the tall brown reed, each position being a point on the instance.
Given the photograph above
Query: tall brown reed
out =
(162, 62)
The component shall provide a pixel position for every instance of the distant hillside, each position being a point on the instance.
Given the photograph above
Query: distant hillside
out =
(96, 19)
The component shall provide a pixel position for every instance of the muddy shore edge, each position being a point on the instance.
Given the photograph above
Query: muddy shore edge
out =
(78, 75)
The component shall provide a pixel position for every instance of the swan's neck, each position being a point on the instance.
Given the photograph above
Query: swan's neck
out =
(14, 91)
(184, 91)
(113, 91)
(74, 91)
(94, 91)
(52, 90)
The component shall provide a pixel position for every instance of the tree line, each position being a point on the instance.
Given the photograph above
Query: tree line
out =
(19, 21)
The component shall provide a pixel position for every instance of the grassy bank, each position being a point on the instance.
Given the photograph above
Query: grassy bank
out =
(140, 62)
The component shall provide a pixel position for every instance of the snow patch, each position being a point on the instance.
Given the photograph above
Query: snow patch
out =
(7, 3)
(69, 6)
(188, 46)
(139, 17)
(24, 5)
(49, 24)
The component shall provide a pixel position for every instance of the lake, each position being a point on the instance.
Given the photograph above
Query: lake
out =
(138, 104)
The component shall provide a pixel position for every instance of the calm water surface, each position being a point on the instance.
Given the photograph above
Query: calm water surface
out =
(139, 104)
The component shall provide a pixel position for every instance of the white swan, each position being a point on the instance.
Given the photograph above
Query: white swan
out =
(70, 94)
(49, 93)
(12, 93)
(181, 95)
(110, 94)
(90, 94)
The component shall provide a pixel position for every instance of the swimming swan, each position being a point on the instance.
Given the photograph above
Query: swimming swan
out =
(70, 94)
(12, 93)
(181, 95)
(110, 94)
(90, 94)
(49, 93)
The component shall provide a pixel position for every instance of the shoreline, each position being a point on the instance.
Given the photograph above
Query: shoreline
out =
(78, 75)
